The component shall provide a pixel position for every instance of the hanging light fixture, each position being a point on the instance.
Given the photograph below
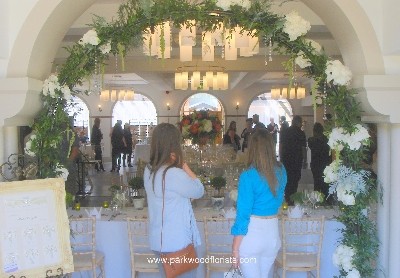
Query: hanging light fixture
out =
(201, 79)
(297, 92)
(230, 40)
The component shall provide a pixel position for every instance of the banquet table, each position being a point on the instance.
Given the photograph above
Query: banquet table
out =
(141, 152)
(112, 240)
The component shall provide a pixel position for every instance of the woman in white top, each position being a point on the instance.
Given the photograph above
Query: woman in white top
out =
(179, 227)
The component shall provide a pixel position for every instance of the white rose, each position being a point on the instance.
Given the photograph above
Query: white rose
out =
(338, 73)
(64, 172)
(105, 48)
(90, 38)
(344, 196)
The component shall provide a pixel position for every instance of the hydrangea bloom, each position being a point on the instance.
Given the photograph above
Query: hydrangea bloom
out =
(330, 172)
(28, 146)
(338, 138)
(338, 73)
(90, 38)
(317, 47)
(50, 86)
(342, 257)
(295, 26)
(353, 274)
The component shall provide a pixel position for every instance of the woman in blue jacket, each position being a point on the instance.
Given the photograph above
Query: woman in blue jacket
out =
(261, 190)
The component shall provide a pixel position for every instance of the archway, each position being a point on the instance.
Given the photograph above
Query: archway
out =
(80, 113)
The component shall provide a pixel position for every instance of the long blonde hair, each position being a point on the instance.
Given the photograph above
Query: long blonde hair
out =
(166, 139)
(262, 156)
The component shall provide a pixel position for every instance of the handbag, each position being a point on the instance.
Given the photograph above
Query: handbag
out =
(181, 261)
(234, 273)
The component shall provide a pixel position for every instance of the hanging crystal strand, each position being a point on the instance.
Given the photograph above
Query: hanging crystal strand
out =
(270, 50)
(324, 102)
(265, 52)
(96, 81)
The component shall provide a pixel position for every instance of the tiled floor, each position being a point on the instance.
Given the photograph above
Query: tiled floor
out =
(103, 180)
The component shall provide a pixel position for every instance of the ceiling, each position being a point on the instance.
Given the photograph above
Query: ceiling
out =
(144, 73)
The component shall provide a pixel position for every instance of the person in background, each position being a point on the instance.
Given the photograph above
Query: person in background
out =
(284, 126)
(293, 148)
(320, 158)
(118, 144)
(246, 133)
(261, 192)
(272, 127)
(257, 123)
(127, 156)
(231, 138)
(95, 140)
(181, 185)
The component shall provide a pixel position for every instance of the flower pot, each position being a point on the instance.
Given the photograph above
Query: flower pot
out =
(217, 202)
(138, 203)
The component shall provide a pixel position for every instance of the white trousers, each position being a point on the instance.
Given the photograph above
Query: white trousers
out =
(259, 247)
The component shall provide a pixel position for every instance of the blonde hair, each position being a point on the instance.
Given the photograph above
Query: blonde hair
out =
(262, 156)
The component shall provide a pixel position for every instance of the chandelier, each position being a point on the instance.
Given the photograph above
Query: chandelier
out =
(117, 95)
(158, 42)
(293, 92)
(196, 79)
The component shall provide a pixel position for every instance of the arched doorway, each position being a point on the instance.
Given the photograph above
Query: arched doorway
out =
(140, 113)
(78, 109)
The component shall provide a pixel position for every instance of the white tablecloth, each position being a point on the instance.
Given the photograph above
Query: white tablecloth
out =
(141, 152)
(112, 240)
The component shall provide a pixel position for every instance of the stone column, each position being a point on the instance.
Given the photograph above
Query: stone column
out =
(383, 172)
(394, 219)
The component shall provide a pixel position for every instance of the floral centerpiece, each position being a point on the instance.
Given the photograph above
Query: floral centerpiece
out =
(200, 126)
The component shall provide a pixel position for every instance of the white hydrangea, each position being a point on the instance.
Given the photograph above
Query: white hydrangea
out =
(63, 172)
(317, 47)
(338, 73)
(66, 92)
(28, 146)
(105, 48)
(295, 26)
(343, 256)
(207, 125)
(338, 138)
(302, 61)
(90, 38)
(50, 85)
(353, 274)
(330, 172)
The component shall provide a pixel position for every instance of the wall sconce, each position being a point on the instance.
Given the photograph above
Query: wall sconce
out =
(168, 107)
(100, 109)
(237, 105)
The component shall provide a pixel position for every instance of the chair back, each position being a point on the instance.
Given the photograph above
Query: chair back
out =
(83, 243)
(301, 243)
(218, 236)
(141, 254)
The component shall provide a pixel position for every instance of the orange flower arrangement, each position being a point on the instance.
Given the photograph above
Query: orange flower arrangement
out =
(200, 124)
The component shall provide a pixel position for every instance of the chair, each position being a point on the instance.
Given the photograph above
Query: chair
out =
(141, 255)
(218, 240)
(83, 243)
(301, 245)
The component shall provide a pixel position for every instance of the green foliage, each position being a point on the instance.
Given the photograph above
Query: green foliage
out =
(125, 32)
(136, 183)
(114, 188)
(218, 182)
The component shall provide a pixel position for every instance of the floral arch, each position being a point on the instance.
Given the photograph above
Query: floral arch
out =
(353, 185)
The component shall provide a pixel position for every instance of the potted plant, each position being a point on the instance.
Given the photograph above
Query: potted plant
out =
(218, 183)
(137, 185)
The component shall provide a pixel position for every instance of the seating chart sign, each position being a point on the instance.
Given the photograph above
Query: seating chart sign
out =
(34, 230)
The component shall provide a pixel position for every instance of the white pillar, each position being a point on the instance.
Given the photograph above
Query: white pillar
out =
(2, 149)
(10, 140)
(394, 230)
(383, 172)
